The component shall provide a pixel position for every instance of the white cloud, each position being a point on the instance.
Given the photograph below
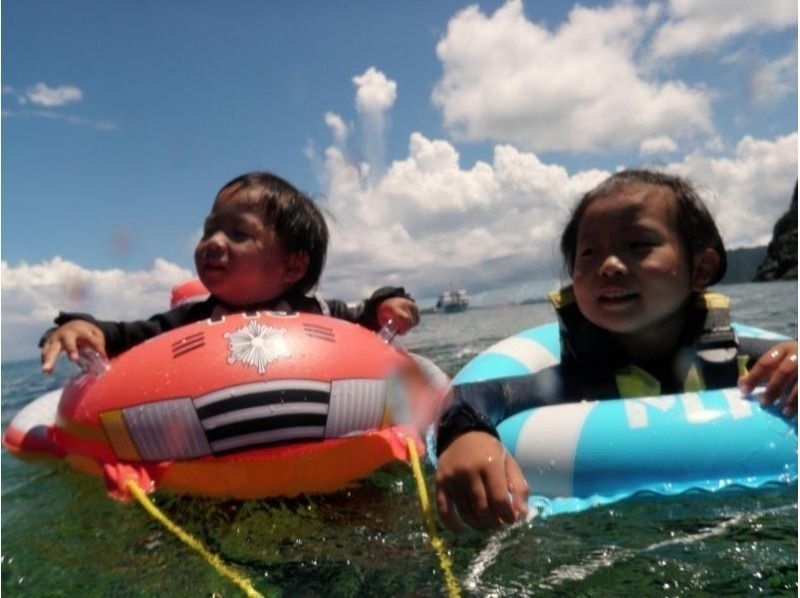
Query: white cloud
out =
(375, 94)
(576, 88)
(32, 295)
(751, 188)
(700, 25)
(774, 80)
(51, 97)
(100, 124)
(42, 96)
(338, 127)
(657, 145)
(427, 221)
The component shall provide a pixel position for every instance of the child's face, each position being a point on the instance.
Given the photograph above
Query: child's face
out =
(632, 272)
(239, 258)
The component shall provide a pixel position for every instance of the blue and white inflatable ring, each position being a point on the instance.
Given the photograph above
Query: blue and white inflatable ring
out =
(578, 455)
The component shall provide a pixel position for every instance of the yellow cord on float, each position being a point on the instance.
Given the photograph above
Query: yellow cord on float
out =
(191, 542)
(445, 563)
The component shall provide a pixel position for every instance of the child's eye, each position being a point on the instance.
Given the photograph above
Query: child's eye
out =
(239, 234)
(642, 245)
(586, 252)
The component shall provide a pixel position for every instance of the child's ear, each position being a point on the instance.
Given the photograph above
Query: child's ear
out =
(705, 265)
(296, 266)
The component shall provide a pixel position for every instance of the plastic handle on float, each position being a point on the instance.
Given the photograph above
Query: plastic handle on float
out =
(388, 332)
(92, 363)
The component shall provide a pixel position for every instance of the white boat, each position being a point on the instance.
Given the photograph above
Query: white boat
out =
(452, 301)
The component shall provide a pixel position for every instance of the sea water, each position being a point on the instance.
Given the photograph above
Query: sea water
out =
(62, 536)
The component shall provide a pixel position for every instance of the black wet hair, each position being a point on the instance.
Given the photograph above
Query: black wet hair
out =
(694, 223)
(298, 221)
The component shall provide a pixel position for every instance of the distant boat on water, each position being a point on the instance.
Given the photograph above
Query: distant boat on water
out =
(452, 301)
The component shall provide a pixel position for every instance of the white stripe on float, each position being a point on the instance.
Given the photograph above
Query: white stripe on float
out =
(547, 444)
(356, 405)
(39, 412)
(264, 411)
(528, 352)
(256, 387)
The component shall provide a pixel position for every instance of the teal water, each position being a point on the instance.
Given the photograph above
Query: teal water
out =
(61, 535)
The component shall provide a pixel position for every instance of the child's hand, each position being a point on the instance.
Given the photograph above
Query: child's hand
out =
(70, 337)
(403, 311)
(778, 369)
(479, 483)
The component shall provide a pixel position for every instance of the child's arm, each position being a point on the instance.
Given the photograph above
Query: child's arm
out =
(70, 338)
(75, 330)
(403, 311)
(778, 369)
(479, 483)
(386, 303)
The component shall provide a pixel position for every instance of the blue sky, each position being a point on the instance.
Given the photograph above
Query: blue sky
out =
(446, 140)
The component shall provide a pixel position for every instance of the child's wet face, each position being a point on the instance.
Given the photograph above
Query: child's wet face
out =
(239, 258)
(632, 272)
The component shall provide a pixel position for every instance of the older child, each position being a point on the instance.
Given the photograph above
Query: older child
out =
(641, 249)
(263, 247)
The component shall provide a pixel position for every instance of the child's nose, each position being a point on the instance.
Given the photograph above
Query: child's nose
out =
(216, 242)
(612, 265)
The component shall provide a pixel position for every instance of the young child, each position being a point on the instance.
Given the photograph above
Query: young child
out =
(263, 247)
(641, 249)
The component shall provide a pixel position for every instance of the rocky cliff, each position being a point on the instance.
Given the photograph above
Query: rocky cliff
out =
(781, 260)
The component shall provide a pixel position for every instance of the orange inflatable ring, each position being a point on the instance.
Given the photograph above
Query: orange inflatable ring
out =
(187, 291)
(249, 405)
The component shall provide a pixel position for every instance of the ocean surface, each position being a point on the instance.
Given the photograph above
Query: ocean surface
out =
(62, 536)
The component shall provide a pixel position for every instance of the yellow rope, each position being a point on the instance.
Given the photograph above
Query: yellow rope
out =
(192, 542)
(445, 562)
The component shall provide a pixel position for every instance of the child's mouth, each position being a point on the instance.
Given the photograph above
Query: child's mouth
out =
(617, 297)
(213, 268)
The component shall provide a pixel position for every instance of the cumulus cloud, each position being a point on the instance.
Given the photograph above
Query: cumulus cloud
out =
(700, 25)
(338, 128)
(657, 145)
(33, 294)
(428, 221)
(375, 95)
(748, 190)
(51, 97)
(774, 80)
(375, 92)
(578, 88)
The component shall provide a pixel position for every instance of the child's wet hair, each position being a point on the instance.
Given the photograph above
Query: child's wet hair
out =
(298, 222)
(694, 223)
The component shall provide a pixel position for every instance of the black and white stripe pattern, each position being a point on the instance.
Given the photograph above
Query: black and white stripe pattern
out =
(255, 414)
(264, 412)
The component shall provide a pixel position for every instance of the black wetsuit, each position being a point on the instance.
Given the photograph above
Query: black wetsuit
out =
(121, 336)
